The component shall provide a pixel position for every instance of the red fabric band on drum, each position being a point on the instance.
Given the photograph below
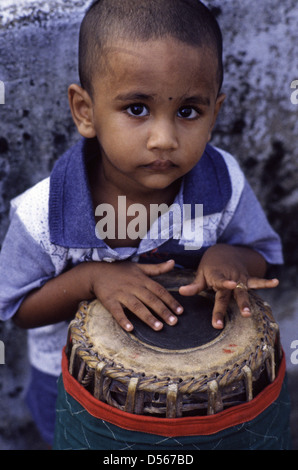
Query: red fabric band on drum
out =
(185, 426)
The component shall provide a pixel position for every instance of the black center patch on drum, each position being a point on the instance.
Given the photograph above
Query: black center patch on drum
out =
(193, 328)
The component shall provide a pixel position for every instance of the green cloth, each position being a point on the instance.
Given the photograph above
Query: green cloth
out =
(76, 429)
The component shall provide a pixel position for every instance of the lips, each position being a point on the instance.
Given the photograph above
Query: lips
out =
(160, 165)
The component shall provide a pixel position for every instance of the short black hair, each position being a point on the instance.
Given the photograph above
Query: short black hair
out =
(188, 21)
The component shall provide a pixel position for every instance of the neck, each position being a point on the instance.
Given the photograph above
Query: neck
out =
(119, 200)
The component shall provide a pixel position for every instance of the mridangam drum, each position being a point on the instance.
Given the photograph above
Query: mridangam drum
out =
(189, 369)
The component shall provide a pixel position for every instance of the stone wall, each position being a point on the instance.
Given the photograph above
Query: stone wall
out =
(258, 124)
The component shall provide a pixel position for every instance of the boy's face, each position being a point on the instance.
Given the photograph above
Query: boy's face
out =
(153, 109)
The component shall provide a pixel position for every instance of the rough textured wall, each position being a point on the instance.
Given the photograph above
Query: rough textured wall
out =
(38, 44)
(38, 60)
(259, 122)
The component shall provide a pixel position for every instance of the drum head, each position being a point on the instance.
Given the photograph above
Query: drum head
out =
(193, 329)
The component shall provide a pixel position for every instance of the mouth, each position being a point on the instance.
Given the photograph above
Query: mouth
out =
(160, 165)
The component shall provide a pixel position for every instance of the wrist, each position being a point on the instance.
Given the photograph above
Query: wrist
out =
(84, 276)
(90, 273)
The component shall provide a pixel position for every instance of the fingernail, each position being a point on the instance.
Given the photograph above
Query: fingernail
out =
(246, 311)
(179, 309)
(172, 319)
(157, 324)
(219, 322)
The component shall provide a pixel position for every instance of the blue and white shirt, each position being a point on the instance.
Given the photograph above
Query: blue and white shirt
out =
(53, 229)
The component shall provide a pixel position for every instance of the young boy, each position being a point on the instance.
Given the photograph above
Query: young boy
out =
(151, 76)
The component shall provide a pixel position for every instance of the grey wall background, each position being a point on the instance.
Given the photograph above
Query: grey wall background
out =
(258, 124)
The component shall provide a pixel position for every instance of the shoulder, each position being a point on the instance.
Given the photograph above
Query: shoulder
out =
(30, 221)
(236, 175)
(232, 165)
(33, 198)
(215, 180)
(31, 208)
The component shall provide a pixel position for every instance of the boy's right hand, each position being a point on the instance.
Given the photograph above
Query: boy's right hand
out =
(125, 284)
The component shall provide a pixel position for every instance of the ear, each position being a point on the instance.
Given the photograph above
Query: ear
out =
(218, 104)
(81, 108)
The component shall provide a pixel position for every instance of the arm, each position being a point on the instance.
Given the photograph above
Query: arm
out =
(223, 268)
(116, 285)
(57, 300)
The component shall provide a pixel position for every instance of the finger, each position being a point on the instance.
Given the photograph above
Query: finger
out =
(222, 299)
(229, 284)
(161, 294)
(156, 269)
(257, 283)
(162, 302)
(219, 281)
(242, 299)
(190, 289)
(137, 307)
(159, 308)
(194, 287)
(117, 312)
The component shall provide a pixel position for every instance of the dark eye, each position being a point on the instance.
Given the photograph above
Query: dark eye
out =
(137, 110)
(188, 112)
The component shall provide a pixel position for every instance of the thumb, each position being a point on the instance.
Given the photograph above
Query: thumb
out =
(198, 284)
(156, 269)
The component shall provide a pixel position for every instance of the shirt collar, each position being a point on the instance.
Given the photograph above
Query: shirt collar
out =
(71, 213)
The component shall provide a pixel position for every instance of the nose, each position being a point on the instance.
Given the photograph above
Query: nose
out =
(162, 136)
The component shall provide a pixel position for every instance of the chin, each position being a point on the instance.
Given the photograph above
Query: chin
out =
(159, 186)
(159, 181)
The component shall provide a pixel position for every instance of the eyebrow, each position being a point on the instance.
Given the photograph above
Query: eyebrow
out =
(196, 99)
(134, 97)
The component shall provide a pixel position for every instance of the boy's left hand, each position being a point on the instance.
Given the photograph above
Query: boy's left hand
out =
(229, 269)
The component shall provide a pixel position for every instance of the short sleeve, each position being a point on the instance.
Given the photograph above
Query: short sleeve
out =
(24, 266)
(249, 226)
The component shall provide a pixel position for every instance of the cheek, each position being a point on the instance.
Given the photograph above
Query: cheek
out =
(118, 151)
(120, 143)
(112, 131)
(193, 149)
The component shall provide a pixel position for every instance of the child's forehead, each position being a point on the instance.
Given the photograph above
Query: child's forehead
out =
(158, 57)
(167, 46)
